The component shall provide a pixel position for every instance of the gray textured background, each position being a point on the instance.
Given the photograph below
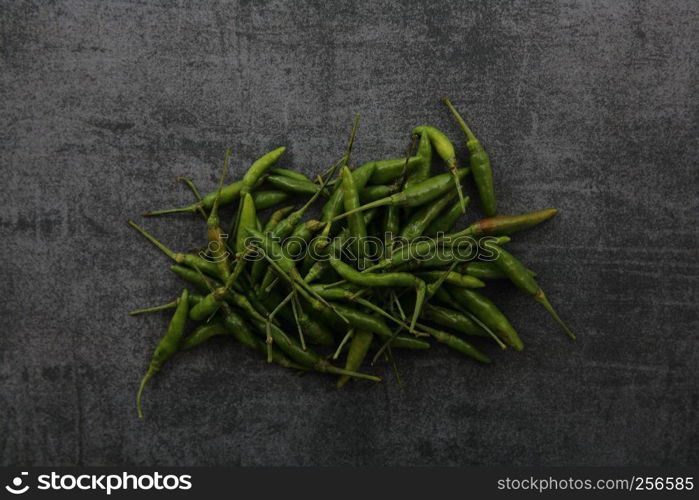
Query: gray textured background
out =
(586, 107)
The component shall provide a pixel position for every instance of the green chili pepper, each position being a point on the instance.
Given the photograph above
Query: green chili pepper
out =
(292, 174)
(445, 221)
(449, 318)
(276, 218)
(457, 343)
(421, 219)
(445, 149)
(386, 171)
(361, 341)
(229, 194)
(452, 278)
(248, 219)
(417, 195)
(258, 168)
(486, 270)
(506, 224)
(421, 171)
(202, 333)
(355, 222)
(291, 185)
(373, 193)
(484, 309)
(267, 199)
(521, 277)
(480, 164)
(167, 346)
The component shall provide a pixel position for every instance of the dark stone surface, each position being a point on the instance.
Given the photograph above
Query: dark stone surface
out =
(586, 107)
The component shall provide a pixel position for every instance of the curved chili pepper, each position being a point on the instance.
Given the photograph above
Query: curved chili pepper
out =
(291, 185)
(445, 150)
(445, 221)
(372, 193)
(421, 219)
(167, 346)
(358, 349)
(457, 344)
(267, 199)
(485, 310)
(387, 171)
(276, 218)
(522, 278)
(480, 164)
(421, 171)
(449, 318)
(355, 222)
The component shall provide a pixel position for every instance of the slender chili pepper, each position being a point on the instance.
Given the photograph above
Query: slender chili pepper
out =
(505, 224)
(291, 185)
(391, 228)
(445, 221)
(520, 276)
(189, 260)
(202, 333)
(417, 195)
(229, 194)
(355, 222)
(276, 218)
(361, 341)
(290, 173)
(383, 280)
(486, 270)
(214, 233)
(421, 219)
(421, 171)
(167, 346)
(258, 168)
(449, 318)
(453, 278)
(386, 171)
(457, 343)
(445, 149)
(268, 199)
(248, 219)
(372, 193)
(480, 164)
(484, 309)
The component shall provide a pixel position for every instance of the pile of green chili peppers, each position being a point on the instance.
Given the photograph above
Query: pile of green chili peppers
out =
(378, 270)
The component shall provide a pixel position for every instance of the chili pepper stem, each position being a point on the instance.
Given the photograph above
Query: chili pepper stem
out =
(154, 241)
(459, 120)
(326, 367)
(149, 374)
(190, 209)
(188, 182)
(540, 297)
(347, 336)
(169, 305)
(374, 204)
(459, 191)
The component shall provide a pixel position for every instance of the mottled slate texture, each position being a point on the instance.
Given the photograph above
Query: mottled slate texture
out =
(587, 107)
